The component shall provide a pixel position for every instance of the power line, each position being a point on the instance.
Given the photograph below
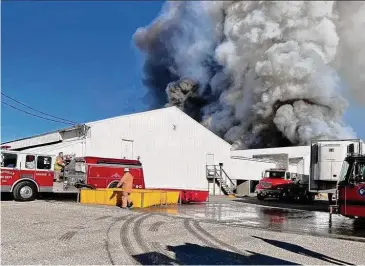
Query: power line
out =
(68, 121)
(16, 108)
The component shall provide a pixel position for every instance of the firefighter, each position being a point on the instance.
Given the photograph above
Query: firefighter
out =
(58, 166)
(127, 182)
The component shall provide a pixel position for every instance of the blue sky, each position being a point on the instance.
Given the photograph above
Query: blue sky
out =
(76, 60)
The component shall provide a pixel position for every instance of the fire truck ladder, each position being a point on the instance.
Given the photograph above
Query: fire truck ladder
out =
(217, 174)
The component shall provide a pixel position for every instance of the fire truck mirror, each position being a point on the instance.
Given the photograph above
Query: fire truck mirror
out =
(2, 159)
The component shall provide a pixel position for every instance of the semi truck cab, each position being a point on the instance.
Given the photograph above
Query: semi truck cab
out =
(280, 183)
(274, 183)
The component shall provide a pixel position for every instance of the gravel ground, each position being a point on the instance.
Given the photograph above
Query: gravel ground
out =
(42, 232)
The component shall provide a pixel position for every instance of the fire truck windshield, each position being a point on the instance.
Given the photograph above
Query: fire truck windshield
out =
(275, 174)
(359, 172)
(353, 172)
(343, 174)
(8, 160)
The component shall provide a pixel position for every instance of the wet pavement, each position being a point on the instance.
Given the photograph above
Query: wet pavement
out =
(54, 232)
(271, 215)
(238, 213)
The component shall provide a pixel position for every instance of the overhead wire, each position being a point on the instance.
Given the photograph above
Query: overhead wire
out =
(70, 122)
(49, 119)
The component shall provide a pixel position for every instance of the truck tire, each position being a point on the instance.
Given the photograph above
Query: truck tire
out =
(311, 198)
(260, 197)
(25, 191)
(307, 198)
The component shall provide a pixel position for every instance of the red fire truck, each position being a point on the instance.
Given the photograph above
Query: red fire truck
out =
(350, 194)
(26, 174)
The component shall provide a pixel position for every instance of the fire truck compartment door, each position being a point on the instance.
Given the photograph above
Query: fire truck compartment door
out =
(353, 197)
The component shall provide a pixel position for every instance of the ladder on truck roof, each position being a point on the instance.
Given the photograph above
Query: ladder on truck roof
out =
(217, 174)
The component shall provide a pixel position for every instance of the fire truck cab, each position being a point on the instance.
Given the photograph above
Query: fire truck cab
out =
(25, 174)
(350, 194)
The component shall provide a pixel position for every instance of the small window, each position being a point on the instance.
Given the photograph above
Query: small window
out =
(9, 160)
(331, 150)
(44, 162)
(30, 162)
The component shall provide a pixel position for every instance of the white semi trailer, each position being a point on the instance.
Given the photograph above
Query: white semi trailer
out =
(326, 161)
(323, 164)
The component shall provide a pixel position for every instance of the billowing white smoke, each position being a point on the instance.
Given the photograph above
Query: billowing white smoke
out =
(351, 52)
(267, 71)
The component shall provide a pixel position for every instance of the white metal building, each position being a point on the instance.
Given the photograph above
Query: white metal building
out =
(173, 148)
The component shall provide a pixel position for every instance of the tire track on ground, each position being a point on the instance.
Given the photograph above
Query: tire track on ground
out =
(156, 226)
(126, 240)
(137, 233)
(191, 230)
(152, 255)
(107, 240)
(198, 227)
(196, 230)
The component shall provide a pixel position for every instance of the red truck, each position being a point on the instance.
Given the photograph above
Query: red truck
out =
(350, 194)
(26, 174)
(279, 183)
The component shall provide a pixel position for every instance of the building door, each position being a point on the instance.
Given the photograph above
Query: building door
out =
(127, 149)
(209, 159)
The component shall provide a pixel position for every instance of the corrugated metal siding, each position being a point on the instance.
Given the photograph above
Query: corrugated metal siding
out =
(171, 158)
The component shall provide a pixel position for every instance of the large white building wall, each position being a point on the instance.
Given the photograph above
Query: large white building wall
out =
(172, 147)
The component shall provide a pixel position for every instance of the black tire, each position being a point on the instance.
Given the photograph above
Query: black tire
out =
(260, 197)
(25, 191)
(308, 198)
(311, 198)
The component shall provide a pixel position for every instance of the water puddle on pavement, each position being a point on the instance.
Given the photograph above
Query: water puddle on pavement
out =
(288, 220)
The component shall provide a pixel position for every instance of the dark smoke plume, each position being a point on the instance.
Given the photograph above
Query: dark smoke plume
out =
(257, 73)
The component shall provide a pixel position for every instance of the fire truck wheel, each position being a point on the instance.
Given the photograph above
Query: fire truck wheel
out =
(25, 191)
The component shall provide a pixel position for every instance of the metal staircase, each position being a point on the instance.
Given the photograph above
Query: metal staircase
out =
(217, 174)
